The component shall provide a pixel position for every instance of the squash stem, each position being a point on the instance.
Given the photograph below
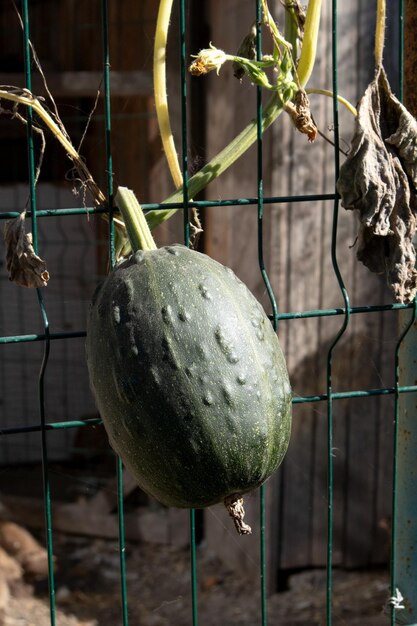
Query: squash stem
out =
(234, 506)
(160, 93)
(136, 225)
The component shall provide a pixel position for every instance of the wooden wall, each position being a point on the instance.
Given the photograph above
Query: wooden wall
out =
(69, 244)
(297, 253)
(297, 243)
(69, 47)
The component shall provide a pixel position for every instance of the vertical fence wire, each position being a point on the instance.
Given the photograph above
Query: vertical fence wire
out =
(336, 269)
(109, 185)
(27, 57)
(260, 208)
(393, 603)
(186, 229)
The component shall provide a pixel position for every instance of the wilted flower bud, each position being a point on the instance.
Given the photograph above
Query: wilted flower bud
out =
(247, 49)
(299, 111)
(208, 60)
(256, 74)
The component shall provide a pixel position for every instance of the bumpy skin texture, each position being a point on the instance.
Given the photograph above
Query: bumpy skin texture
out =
(188, 376)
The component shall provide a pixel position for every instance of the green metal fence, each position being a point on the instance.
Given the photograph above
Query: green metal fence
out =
(345, 313)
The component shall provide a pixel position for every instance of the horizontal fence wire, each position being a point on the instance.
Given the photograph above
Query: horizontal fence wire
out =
(198, 204)
(345, 312)
(292, 315)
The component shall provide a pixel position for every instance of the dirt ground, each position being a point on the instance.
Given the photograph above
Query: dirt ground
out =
(158, 589)
(158, 579)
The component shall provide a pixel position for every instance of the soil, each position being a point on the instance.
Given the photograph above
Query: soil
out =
(158, 590)
(158, 579)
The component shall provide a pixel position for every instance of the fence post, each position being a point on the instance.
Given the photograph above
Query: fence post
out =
(406, 500)
(406, 516)
(406, 497)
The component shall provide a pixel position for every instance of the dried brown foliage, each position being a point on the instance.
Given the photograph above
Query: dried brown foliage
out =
(379, 180)
(25, 267)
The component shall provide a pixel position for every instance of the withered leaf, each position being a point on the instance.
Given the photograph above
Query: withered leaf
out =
(379, 180)
(25, 267)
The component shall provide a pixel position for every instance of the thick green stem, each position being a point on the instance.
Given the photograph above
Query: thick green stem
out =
(291, 29)
(136, 225)
(224, 159)
(221, 162)
(131, 211)
(269, 21)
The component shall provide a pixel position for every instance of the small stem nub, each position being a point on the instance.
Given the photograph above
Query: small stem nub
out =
(136, 225)
(234, 506)
(380, 32)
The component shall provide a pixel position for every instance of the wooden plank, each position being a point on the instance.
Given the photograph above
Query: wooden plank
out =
(367, 364)
(105, 501)
(410, 52)
(66, 243)
(162, 526)
(297, 253)
(85, 84)
(230, 238)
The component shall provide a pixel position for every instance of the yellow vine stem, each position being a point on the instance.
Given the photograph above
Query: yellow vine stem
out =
(326, 92)
(309, 47)
(380, 32)
(25, 97)
(160, 93)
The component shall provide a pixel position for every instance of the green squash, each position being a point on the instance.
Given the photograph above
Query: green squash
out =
(189, 377)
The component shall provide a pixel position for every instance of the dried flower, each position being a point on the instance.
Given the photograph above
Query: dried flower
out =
(25, 267)
(207, 60)
(299, 111)
(213, 58)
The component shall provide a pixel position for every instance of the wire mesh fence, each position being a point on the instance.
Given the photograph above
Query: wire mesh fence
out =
(53, 349)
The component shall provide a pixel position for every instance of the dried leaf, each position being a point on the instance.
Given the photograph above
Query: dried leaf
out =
(379, 179)
(196, 228)
(25, 267)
